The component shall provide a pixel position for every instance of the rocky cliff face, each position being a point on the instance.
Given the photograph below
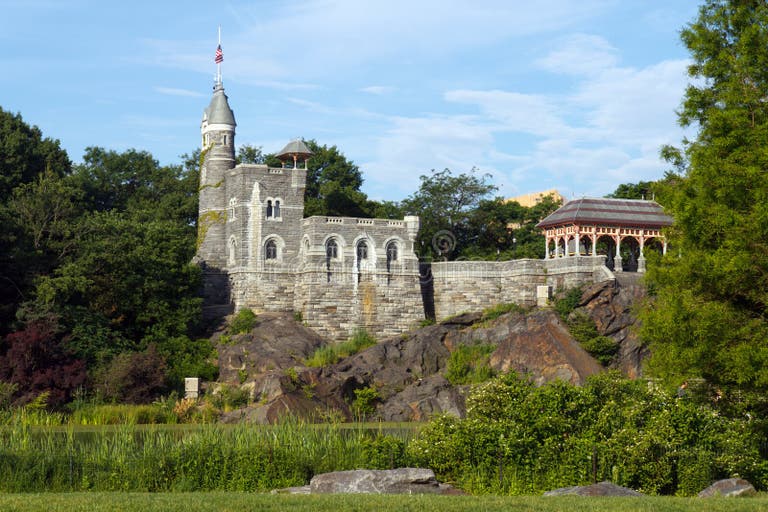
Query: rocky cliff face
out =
(408, 371)
(613, 307)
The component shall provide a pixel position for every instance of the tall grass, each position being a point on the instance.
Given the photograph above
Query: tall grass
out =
(331, 354)
(206, 458)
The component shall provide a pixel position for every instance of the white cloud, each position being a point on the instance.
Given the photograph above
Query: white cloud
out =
(378, 89)
(580, 54)
(173, 91)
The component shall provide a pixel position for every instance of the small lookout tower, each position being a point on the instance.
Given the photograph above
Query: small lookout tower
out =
(293, 153)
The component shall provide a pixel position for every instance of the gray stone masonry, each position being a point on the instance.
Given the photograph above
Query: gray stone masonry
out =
(339, 273)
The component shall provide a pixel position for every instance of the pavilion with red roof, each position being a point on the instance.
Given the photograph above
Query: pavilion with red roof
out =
(577, 227)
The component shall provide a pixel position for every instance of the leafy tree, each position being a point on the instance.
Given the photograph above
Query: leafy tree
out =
(639, 190)
(36, 360)
(444, 203)
(333, 184)
(708, 318)
(134, 181)
(24, 153)
(134, 377)
(249, 154)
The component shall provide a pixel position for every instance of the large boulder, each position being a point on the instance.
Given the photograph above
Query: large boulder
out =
(728, 488)
(599, 489)
(278, 342)
(366, 481)
(537, 344)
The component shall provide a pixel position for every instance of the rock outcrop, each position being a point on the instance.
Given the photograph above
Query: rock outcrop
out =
(613, 307)
(729, 488)
(366, 481)
(408, 371)
(599, 489)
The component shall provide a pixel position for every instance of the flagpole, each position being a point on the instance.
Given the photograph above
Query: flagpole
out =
(218, 64)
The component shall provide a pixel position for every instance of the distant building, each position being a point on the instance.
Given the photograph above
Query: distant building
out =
(534, 198)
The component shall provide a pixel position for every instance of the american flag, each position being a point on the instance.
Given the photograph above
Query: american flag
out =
(219, 55)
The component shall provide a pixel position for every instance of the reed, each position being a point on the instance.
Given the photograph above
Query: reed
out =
(158, 458)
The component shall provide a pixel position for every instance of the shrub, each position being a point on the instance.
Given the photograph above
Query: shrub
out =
(469, 364)
(365, 402)
(331, 354)
(500, 309)
(568, 302)
(133, 377)
(521, 439)
(583, 329)
(243, 322)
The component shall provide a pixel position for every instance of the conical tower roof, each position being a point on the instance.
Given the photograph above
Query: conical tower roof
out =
(218, 111)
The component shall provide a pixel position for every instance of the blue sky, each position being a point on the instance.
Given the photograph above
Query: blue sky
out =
(566, 94)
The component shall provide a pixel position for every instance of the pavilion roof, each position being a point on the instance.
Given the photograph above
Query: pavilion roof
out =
(608, 212)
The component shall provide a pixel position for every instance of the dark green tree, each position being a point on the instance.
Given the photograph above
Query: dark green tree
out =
(333, 184)
(445, 202)
(25, 153)
(639, 190)
(708, 318)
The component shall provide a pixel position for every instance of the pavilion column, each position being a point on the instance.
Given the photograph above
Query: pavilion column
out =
(577, 252)
(641, 259)
(594, 244)
(617, 257)
(547, 239)
(664, 248)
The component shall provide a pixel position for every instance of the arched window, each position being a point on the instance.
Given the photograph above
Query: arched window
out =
(331, 249)
(269, 209)
(270, 250)
(391, 254)
(277, 208)
(362, 250)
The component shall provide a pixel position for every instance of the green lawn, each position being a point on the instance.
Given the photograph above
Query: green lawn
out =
(235, 502)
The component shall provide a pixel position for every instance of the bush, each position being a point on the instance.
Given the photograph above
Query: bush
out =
(365, 402)
(133, 377)
(568, 302)
(331, 354)
(500, 309)
(521, 439)
(469, 364)
(243, 322)
(583, 329)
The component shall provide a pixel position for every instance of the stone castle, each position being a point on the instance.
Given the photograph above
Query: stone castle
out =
(337, 274)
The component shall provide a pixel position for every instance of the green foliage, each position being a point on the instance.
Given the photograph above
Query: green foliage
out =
(708, 316)
(330, 354)
(639, 190)
(444, 203)
(240, 458)
(567, 302)
(121, 414)
(365, 401)
(583, 329)
(469, 364)
(496, 311)
(333, 184)
(227, 397)
(385, 452)
(521, 439)
(243, 322)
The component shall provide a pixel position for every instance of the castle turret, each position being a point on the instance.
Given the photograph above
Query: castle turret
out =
(218, 157)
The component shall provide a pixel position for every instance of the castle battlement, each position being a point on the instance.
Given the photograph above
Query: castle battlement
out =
(258, 251)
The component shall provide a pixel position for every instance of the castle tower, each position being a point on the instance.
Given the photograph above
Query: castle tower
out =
(218, 157)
